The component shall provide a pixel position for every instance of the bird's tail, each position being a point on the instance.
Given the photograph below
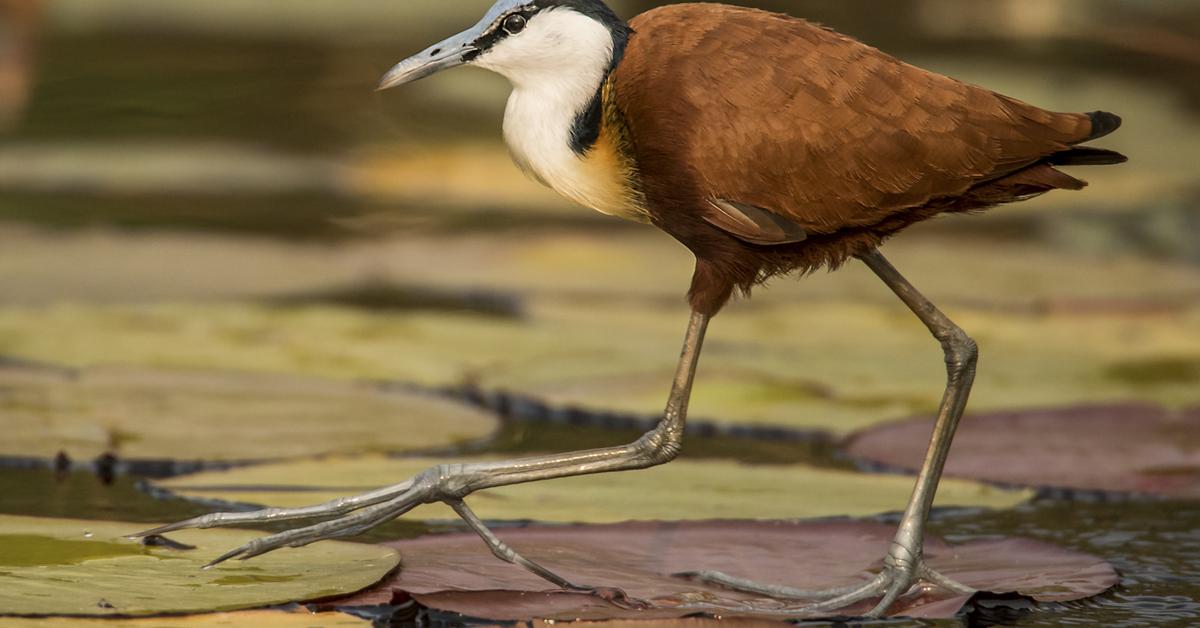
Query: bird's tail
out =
(1103, 124)
(1087, 156)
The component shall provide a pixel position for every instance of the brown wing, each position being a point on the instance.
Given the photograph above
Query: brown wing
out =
(769, 111)
(752, 224)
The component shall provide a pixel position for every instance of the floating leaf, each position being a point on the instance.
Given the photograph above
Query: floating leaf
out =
(828, 365)
(680, 490)
(257, 619)
(832, 365)
(66, 567)
(1134, 448)
(581, 262)
(456, 573)
(141, 413)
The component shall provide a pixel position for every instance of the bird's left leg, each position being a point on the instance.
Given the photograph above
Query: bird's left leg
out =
(904, 566)
(452, 483)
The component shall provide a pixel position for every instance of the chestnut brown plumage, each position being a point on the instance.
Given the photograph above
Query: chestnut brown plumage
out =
(767, 145)
(846, 142)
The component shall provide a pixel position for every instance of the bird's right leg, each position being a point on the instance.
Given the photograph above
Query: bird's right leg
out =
(904, 566)
(451, 483)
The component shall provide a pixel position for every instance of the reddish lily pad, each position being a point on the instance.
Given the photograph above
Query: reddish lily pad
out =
(1133, 448)
(456, 573)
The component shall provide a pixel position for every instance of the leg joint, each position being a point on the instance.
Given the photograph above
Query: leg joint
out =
(902, 557)
(504, 553)
(962, 352)
(445, 481)
(659, 446)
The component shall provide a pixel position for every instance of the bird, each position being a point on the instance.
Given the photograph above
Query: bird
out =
(768, 146)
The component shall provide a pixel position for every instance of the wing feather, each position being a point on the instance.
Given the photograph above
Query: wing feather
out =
(772, 112)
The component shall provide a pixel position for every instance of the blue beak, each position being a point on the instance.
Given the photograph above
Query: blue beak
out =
(456, 51)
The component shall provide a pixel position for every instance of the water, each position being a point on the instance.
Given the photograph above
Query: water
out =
(1155, 545)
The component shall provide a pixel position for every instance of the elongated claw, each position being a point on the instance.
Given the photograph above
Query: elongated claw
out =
(224, 557)
(350, 525)
(332, 508)
(889, 585)
(876, 587)
(616, 597)
(772, 591)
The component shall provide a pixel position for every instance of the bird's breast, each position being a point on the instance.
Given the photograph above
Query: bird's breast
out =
(538, 132)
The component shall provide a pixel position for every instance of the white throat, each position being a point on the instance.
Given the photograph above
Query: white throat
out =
(556, 68)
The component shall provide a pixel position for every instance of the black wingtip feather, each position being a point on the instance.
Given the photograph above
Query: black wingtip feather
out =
(1087, 156)
(1103, 123)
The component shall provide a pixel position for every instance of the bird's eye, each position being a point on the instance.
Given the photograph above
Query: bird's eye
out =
(514, 24)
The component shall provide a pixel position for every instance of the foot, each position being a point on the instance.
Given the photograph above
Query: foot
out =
(352, 516)
(347, 517)
(902, 574)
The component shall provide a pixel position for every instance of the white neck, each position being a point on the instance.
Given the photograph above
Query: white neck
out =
(556, 66)
(541, 117)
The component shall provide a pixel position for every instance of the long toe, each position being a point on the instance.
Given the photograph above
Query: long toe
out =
(334, 508)
(772, 591)
(347, 526)
(889, 586)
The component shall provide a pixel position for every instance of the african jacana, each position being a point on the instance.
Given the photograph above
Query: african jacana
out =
(765, 144)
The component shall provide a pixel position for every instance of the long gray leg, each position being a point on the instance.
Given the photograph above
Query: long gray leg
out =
(906, 560)
(904, 565)
(451, 483)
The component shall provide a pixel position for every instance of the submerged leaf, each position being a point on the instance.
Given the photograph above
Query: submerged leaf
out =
(87, 568)
(680, 490)
(1136, 448)
(456, 572)
(141, 413)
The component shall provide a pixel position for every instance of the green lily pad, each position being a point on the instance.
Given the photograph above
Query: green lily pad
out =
(188, 415)
(680, 490)
(258, 619)
(831, 365)
(87, 568)
(116, 266)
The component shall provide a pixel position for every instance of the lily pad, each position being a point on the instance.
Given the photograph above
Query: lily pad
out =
(188, 415)
(1135, 448)
(108, 266)
(87, 568)
(455, 573)
(680, 490)
(258, 619)
(829, 365)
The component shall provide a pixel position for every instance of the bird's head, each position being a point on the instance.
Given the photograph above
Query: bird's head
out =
(526, 41)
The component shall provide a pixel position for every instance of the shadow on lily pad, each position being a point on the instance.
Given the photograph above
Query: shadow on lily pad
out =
(456, 573)
(1126, 448)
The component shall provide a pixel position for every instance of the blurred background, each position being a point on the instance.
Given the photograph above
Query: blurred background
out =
(253, 121)
(231, 160)
(215, 184)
